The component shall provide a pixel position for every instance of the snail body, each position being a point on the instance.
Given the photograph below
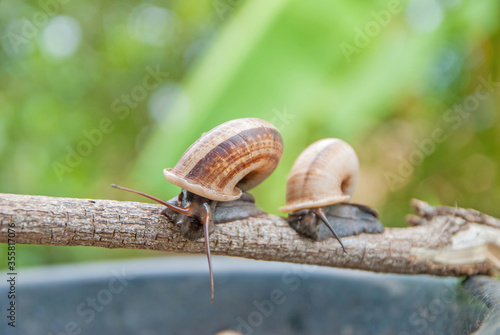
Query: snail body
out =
(321, 182)
(224, 211)
(218, 167)
(345, 219)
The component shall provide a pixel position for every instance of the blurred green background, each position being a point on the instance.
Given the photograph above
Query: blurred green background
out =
(101, 92)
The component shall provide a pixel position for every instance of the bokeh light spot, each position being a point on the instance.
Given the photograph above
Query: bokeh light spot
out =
(152, 25)
(166, 98)
(424, 15)
(61, 37)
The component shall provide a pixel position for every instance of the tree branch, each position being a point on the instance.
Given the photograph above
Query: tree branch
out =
(443, 240)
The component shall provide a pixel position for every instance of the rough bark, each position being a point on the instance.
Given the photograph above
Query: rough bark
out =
(430, 246)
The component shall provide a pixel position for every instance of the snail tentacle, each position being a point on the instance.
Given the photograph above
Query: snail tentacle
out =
(182, 210)
(320, 213)
(207, 219)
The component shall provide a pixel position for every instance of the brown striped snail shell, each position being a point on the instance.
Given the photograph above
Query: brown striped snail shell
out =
(223, 163)
(321, 182)
(233, 157)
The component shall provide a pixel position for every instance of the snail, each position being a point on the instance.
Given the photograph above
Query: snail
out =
(213, 174)
(320, 184)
